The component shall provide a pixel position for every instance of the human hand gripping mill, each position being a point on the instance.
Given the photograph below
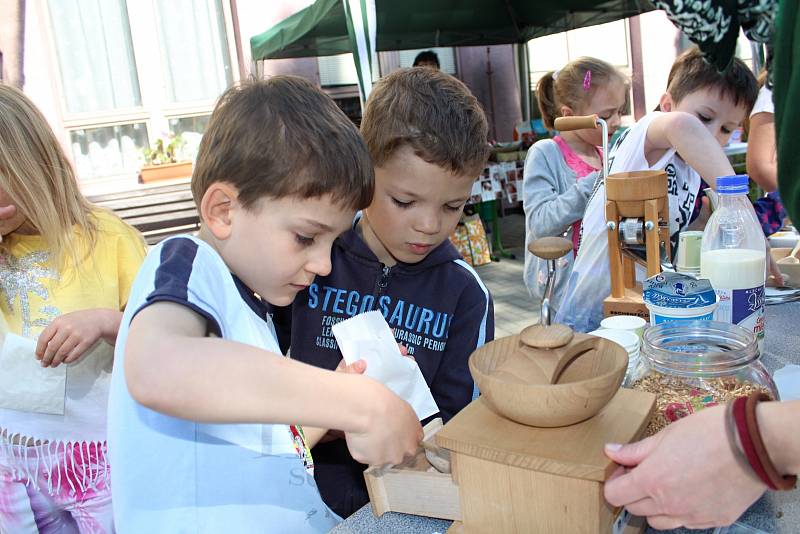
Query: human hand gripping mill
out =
(637, 218)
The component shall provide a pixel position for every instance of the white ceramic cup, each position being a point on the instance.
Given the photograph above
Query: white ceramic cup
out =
(626, 339)
(630, 323)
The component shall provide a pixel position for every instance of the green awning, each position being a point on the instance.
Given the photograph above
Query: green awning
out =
(321, 29)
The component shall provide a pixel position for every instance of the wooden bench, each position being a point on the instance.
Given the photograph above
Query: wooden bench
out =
(157, 212)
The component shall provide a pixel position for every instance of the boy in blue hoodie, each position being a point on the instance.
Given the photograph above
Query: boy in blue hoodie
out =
(426, 135)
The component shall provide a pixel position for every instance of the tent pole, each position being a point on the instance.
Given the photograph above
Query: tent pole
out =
(637, 68)
(489, 73)
(524, 78)
(757, 50)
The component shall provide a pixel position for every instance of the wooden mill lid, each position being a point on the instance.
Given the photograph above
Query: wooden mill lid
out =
(636, 186)
(574, 451)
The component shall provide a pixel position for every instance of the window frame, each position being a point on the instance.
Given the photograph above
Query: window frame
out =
(627, 69)
(155, 110)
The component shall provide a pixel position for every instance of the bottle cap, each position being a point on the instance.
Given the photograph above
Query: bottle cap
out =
(738, 184)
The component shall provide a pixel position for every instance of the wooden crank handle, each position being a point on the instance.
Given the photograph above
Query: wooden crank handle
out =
(550, 248)
(565, 124)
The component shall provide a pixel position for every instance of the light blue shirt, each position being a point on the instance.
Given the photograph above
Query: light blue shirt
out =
(172, 475)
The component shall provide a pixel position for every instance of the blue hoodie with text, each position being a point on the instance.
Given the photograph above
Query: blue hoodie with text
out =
(438, 308)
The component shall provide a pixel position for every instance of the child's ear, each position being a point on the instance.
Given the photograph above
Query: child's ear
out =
(567, 111)
(666, 103)
(216, 207)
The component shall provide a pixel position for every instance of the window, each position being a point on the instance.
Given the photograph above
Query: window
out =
(341, 70)
(191, 130)
(108, 150)
(608, 42)
(93, 43)
(131, 72)
(338, 76)
(193, 49)
(447, 58)
(337, 70)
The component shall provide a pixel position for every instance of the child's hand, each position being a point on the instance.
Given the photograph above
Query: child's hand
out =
(69, 336)
(702, 218)
(394, 432)
(403, 348)
(360, 366)
(404, 351)
(357, 367)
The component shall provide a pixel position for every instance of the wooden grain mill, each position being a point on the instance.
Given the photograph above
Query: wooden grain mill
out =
(637, 214)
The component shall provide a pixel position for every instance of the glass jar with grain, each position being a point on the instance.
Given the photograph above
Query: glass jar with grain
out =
(691, 365)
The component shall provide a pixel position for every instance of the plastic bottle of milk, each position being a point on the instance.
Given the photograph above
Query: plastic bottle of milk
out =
(734, 257)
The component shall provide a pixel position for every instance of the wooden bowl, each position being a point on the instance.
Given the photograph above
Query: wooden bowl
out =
(514, 381)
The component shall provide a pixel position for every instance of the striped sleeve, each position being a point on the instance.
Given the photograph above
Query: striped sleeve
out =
(182, 275)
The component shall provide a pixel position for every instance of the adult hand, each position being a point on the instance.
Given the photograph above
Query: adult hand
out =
(69, 336)
(686, 475)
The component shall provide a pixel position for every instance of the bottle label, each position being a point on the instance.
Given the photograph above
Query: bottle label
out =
(744, 307)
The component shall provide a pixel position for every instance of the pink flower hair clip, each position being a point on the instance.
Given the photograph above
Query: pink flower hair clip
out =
(587, 80)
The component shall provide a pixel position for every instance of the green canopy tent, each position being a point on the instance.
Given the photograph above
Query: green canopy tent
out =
(322, 28)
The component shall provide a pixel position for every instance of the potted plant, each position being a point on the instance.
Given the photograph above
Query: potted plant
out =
(163, 162)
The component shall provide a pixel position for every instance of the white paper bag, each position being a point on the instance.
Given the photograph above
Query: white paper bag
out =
(368, 337)
(24, 384)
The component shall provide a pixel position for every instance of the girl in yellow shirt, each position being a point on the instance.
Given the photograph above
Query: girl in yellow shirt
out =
(66, 269)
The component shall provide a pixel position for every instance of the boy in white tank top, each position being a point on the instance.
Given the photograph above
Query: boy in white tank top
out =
(699, 111)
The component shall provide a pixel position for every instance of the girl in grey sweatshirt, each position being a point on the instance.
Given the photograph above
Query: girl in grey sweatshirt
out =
(560, 172)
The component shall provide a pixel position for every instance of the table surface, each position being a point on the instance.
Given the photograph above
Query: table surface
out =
(776, 512)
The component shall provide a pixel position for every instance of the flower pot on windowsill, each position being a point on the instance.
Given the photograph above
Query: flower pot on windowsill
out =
(165, 171)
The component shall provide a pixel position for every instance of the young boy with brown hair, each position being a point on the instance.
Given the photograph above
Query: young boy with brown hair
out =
(698, 113)
(426, 134)
(204, 413)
